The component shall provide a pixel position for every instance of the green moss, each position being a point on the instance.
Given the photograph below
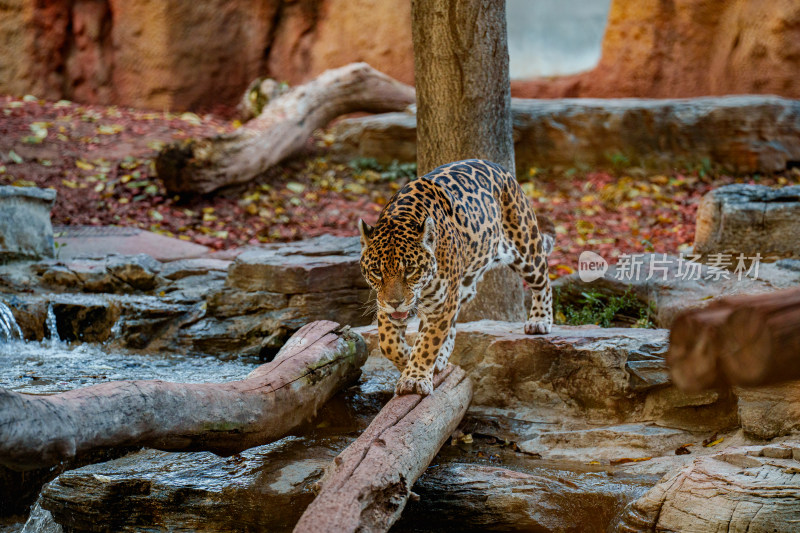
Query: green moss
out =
(603, 309)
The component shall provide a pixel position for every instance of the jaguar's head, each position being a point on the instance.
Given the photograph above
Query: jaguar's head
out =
(398, 259)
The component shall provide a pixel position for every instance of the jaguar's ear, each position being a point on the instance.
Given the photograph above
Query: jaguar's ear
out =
(366, 233)
(428, 235)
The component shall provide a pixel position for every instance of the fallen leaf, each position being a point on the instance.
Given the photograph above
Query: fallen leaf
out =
(628, 460)
(714, 443)
(682, 450)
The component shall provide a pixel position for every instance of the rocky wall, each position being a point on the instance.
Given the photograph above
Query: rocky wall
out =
(177, 55)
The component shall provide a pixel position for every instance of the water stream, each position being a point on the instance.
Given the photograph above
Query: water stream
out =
(9, 329)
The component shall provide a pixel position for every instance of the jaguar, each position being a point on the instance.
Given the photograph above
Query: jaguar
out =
(431, 244)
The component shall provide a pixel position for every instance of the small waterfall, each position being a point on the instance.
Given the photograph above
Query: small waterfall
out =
(51, 325)
(9, 329)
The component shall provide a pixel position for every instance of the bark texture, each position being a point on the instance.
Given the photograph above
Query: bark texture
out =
(461, 71)
(282, 129)
(224, 418)
(370, 482)
(744, 340)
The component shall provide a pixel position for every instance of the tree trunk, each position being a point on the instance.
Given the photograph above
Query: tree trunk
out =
(281, 130)
(369, 483)
(224, 418)
(461, 72)
(464, 108)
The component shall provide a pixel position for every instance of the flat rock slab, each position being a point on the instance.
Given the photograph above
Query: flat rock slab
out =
(99, 241)
(313, 265)
(727, 131)
(589, 373)
(749, 219)
(752, 488)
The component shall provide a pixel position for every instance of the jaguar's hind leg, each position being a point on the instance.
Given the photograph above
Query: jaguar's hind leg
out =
(530, 262)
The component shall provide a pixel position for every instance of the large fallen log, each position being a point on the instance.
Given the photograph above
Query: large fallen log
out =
(370, 482)
(749, 340)
(223, 418)
(282, 129)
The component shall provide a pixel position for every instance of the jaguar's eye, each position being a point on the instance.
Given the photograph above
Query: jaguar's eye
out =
(376, 273)
(411, 272)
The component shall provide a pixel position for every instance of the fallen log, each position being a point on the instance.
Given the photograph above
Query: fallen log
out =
(223, 418)
(762, 339)
(694, 349)
(369, 483)
(749, 340)
(281, 130)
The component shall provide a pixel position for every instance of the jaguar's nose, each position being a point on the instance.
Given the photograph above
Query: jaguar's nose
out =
(395, 303)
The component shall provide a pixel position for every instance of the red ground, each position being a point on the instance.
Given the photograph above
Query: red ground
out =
(100, 161)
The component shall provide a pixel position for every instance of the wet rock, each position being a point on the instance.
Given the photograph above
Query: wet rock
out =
(227, 302)
(90, 320)
(113, 274)
(727, 131)
(749, 219)
(25, 228)
(139, 271)
(129, 321)
(768, 412)
(490, 498)
(738, 489)
(600, 375)
(192, 289)
(672, 284)
(183, 268)
(265, 488)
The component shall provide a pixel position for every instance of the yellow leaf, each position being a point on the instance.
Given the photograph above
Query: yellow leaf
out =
(83, 165)
(69, 183)
(714, 443)
(628, 460)
(236, 123)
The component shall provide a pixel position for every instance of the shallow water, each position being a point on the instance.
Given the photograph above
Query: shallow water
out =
(51, 367)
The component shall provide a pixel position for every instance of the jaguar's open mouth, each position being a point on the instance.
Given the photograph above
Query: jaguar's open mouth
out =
(400, 316)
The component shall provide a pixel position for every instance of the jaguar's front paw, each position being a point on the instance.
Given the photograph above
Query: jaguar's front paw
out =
(538, 327)
(414, 385)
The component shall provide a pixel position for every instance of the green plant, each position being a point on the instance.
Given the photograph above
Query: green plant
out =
(618, 160)
(605, 310)
(391, 172)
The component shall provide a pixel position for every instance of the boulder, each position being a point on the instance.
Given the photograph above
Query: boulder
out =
(749, 219)
(726, 131)
(750, 488)
(25, 228)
